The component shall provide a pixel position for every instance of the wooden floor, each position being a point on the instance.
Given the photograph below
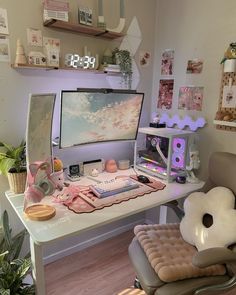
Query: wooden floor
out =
(103, 269)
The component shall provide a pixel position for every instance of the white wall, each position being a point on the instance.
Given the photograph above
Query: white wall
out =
(197, 29)
(16, 85)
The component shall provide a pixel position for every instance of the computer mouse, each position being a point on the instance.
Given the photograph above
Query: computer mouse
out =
(143, 179)
(180, 179)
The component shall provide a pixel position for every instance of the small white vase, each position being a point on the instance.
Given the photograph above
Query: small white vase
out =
(230, 66)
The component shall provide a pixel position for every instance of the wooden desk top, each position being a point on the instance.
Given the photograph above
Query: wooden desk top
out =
(67, 223)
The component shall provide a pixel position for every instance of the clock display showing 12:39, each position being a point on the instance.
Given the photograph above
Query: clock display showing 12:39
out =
(77, 61)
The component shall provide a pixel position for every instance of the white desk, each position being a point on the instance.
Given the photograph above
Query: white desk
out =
(67, 223)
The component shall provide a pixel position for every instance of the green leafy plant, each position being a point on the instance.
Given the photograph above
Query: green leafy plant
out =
(8, 243)
(124, 60)
(13, 269)
(12, 158)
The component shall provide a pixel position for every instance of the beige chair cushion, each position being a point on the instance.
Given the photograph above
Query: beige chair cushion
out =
(169, 255)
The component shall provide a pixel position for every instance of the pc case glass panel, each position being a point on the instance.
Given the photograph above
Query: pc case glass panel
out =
(162, 156)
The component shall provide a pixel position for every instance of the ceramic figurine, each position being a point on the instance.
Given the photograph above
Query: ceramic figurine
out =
(20, 54)
(111, 166)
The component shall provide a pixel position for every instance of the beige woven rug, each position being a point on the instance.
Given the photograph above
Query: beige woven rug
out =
(131, 291)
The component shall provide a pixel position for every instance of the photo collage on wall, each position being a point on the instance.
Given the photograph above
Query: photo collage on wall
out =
(166, 85)
(165, 94)
(189, 97)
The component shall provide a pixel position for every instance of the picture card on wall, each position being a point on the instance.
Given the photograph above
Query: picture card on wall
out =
(144, 58)
(165, 95)
(194, 66)
(229, 97)
(167, 62)
(3, 22)
(85, 16)
(190, 98)
(34, 37)
(52, 50)
(4, 50)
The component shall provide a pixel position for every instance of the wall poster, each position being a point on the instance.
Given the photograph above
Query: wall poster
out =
(167, 62)
(165, 95)
(190, 98)
(194, 66)
(4, 50)
(3, 22)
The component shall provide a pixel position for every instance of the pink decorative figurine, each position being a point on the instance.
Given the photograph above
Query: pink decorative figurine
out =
(111, 166)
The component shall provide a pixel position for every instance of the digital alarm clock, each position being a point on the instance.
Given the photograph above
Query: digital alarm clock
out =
(74, 172)
(77, 61)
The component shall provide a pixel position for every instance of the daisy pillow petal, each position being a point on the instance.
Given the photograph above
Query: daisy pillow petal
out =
(210, 219)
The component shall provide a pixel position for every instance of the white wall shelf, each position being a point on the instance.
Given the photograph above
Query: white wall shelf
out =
(225, 123)
(48, 68)
(82, 29)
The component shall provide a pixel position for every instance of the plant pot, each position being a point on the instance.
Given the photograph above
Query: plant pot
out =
(17, 181)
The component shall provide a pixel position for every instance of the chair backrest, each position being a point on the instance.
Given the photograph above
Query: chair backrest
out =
(221, 171)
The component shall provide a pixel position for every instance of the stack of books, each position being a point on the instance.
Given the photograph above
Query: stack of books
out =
(55, 9)
(110, 68)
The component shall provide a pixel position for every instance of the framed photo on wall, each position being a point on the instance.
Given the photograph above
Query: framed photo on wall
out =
(85, 16)
(229, 97)
(3, 22)
(4, 50)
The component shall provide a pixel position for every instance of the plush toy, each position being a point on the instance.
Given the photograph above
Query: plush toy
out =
(58, 165)
(230, 52)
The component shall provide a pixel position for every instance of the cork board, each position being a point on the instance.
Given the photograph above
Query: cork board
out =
(225, 82)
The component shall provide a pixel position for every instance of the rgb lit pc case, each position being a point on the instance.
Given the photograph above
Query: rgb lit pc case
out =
(162, 152)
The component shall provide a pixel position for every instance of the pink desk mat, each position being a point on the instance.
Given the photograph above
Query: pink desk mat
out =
(84, 200)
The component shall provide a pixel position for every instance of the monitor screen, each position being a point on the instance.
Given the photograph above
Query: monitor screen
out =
(98, 115)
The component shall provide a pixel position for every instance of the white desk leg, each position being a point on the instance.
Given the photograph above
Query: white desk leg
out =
(163, 215)
(37, 267)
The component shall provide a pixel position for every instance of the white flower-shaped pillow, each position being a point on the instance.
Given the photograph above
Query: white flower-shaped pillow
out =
(215, 206)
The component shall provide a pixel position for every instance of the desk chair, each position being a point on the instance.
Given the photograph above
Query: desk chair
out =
(215, 262)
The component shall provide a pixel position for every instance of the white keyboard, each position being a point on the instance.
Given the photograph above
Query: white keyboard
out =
(112, 187)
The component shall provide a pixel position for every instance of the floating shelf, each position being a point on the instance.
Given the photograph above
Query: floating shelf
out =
(48, 68)
(225, 123)
(82, 29)
(28, 66)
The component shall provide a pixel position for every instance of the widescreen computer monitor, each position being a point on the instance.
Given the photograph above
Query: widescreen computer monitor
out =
(99, 115)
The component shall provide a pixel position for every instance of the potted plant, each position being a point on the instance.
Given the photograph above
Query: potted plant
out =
(124, 60)
(13, 270)
(12, 165)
